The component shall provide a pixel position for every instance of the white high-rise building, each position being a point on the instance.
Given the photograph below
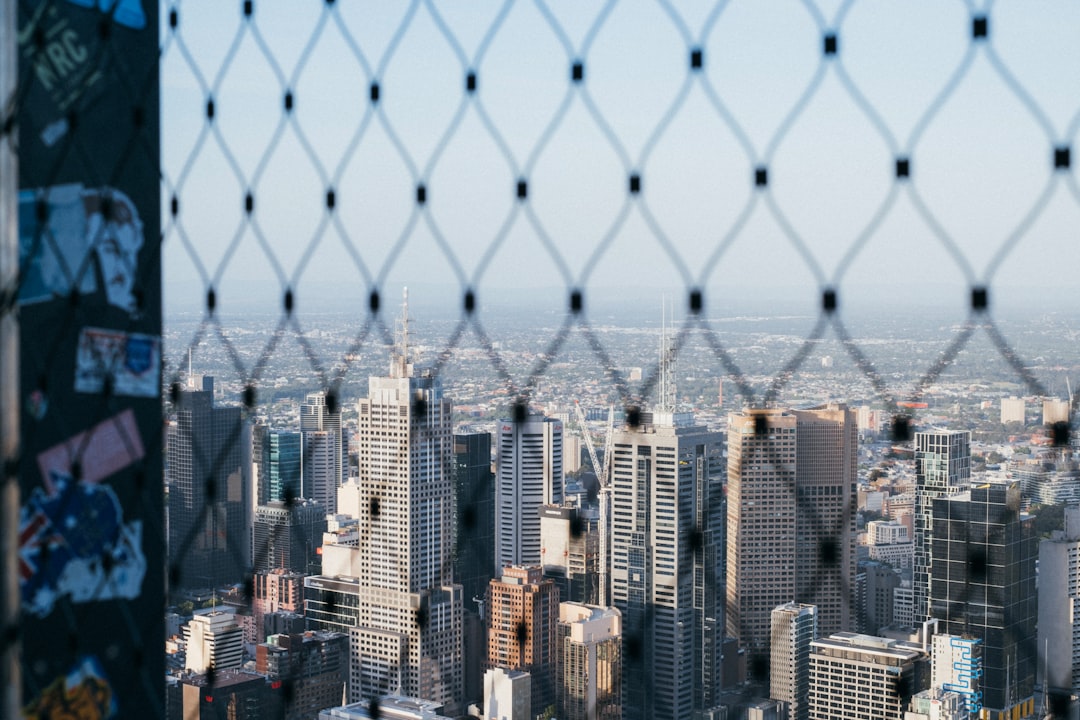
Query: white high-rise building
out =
(667, 530)
(528, 475)
(214, 640)
(408, 633)
(321, 451)
(1059, 608)
(794, 627)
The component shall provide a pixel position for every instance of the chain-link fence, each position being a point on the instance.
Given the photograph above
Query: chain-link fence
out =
(871, 203)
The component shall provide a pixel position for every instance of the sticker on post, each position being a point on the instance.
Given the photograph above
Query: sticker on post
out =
(73, 540)
(104, 449)
(129, 362)
(74, 240)
(85, 692)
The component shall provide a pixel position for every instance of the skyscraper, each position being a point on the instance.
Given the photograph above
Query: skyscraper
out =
(942, 467)
(323, 450)
(826, 477)
(522, 612)
(208, 475)
(794, 627)
(982, 585)
(1059, 607)
(791, 518)
(760, 523)
(588, 663)
(287, 536)
(528, 474)
(667, 565)
(409, 620)
(279, 465)
(474, 547)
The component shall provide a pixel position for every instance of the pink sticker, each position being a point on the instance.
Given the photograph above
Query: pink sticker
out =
(106, 448)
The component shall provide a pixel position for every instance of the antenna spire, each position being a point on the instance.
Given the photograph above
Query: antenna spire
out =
(399, 359)
(666, 401)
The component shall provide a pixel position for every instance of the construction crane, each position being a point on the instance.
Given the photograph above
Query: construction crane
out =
(602, 470)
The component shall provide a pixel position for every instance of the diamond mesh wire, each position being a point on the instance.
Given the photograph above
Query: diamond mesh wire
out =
(583, 157)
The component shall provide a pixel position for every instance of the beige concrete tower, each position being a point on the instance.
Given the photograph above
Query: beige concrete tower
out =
(791, 518)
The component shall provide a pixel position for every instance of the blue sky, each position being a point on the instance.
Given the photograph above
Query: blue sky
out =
(981, 161)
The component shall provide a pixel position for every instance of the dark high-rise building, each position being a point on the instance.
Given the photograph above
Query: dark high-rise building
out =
(288, 536)
(474, 548)
(880, 583)
(234, 693)
(208, 475)
(279, 466)
(982, 585)
(667, 560)
(474, 485)
(315, 665)
(942, 467)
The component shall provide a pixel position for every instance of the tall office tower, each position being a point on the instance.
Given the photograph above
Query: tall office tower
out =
(760, 523)
(474, 547)
(522, 612)
(287, 536)
(826, 477)
(791, 519)
(667, 535)
(879, 601)
(323, 450)
(983, 585)
(1059, 608)
(404, 561)
(280, 465)
(314, 664)
(862, 677)
(570, 552)
(942, 467)
(794, 627)
(588, 663)
(528, 474)
(276, 591)
(474, 550)
(214, 640)
(208, 474)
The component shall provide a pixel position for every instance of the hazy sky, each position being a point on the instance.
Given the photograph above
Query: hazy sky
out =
(980, 159)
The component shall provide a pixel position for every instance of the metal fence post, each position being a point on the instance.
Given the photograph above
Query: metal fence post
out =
(10, 675)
